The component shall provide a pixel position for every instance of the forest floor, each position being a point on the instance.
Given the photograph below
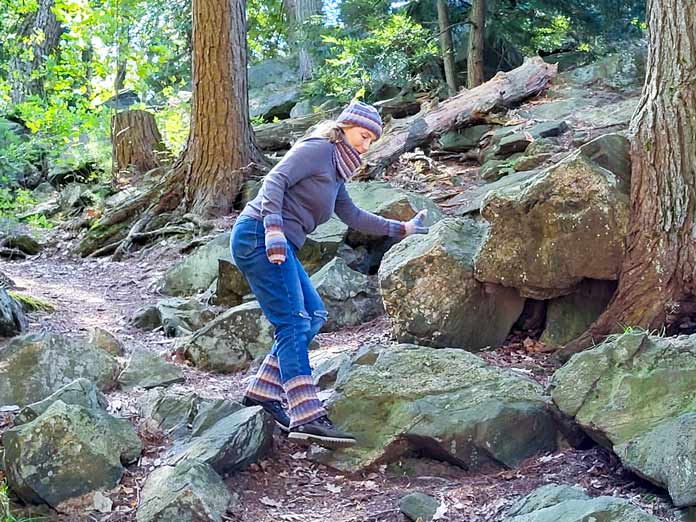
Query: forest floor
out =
(287, 485)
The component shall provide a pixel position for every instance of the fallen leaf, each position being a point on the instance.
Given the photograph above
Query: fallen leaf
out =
(440, 511)
(333, 488)
(270, 502)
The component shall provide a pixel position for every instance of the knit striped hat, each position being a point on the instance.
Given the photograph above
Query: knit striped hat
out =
(362, 115)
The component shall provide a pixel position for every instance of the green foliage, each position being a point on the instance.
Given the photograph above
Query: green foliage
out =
(31, 303)
(396, 52)
(5, 514)
(266, 29)
(17, 201)
(174, 119)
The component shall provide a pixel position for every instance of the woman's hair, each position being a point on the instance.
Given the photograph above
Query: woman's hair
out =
(331, 130)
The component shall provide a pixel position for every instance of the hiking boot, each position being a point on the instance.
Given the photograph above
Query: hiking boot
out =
(275, 408)
(322, 432)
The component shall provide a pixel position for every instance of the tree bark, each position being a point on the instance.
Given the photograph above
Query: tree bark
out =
(137, 145)
(446, 46)
(39, 34)
(299, 13)
(221, 144)
(477, 35)
(657, 279)
(503, 90)
(220, 150)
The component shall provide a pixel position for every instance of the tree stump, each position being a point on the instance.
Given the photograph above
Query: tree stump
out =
(136, 143)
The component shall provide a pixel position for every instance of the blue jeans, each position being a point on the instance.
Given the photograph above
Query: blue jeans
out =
(286, 296)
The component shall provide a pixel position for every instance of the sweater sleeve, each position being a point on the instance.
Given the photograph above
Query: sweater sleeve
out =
(299, 163)
(364, 221)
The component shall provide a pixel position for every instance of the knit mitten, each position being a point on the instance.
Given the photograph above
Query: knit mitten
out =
(415, 225)
(276, 244)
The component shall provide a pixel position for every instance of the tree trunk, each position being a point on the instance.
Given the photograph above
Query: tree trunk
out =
(136, 143)
(299, 12)
(221, 143)
(446, 46)
(460, 110)
(221, 149)
(476, 44)
(657, 280)
(39, 35)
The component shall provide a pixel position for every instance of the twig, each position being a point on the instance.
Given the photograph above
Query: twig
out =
(376, 516)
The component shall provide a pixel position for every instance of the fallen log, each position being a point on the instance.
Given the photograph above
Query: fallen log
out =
(283, 134)
(467, 107)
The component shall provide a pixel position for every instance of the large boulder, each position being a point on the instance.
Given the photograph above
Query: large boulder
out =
(628, 385)
(620, 70)
(666, 456)
(564, 224)
(34, 366)
(13, 320)
(66, 452)
(633, 393)
(273, 89)
(379, 198)
(443, 403)
(429, 291)
(554, 503)
(191, 491)
(198, 270)
(350, 297)
(232, 341)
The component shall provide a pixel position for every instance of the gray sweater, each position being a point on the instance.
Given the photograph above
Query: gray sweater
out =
(305, 190)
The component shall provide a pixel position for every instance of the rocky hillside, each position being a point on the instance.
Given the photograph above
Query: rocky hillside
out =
(120, 381)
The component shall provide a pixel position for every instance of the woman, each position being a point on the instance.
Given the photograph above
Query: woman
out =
(301, 192)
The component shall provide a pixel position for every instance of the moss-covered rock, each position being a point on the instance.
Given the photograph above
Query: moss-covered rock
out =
(191, 491)
(555, 503)
(66, 452)
(196, 272)
(231, 341)
(443, 403)
(569, 316)
(429, 291)
(628, 385)
(13, 320)
(81, 392)
(548, 233)
(350, 297)
(666, 456)
(145, 369)
(231, 443)
(34, 366)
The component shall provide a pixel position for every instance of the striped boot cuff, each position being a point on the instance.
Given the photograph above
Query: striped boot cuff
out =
(303, 404)
(266, 384)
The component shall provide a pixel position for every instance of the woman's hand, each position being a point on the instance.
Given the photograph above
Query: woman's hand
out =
(276, 244)
(415, 224)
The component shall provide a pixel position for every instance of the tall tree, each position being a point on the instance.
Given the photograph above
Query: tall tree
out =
(446, 46)
(221, 142)
(657, 282)
(477, 35)
(299, 14)
(38, 37)
(208, 175)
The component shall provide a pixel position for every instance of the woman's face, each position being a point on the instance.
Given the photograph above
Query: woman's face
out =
(359, 138)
